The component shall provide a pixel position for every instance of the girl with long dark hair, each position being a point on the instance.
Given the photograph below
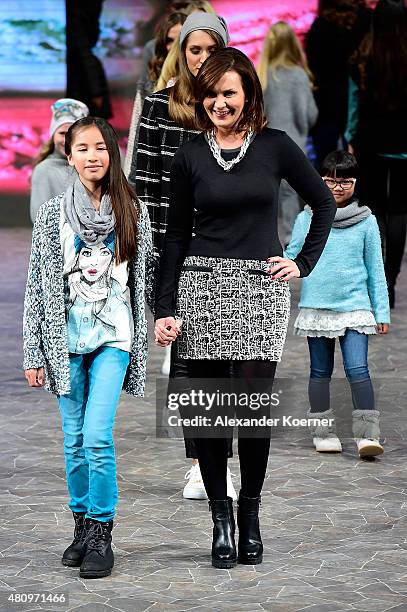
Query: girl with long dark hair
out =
(85, 335)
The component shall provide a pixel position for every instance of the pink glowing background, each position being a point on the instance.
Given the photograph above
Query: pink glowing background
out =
(25, 107)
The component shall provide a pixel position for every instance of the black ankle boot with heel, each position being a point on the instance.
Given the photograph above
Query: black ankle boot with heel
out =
(223, 545)
(250, 548)
(98, 560)
(75, 552)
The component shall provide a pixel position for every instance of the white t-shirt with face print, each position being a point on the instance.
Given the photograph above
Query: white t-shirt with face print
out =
(97, 298)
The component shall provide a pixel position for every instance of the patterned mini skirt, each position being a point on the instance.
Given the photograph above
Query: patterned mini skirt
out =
(231, 309)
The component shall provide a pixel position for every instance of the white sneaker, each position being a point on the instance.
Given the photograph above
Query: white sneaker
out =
(368, 447)
(165, 368)
(230, 488)
(195, 488)
(330, 444)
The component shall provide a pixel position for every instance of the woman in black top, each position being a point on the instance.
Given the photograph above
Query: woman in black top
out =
(234, 312)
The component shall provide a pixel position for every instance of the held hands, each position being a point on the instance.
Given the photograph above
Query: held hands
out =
(382, 328)
(166, 331)
(284, 270)
(35, 377)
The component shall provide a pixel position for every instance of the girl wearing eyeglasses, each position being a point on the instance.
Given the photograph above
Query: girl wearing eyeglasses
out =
(344, 297)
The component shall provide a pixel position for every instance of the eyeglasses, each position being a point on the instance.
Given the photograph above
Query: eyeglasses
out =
(344, 184)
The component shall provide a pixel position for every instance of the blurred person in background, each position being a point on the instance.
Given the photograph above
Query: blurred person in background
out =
(377, 127)
(168, 31)
(168, 122)
(288, 103)
(154, 56)
(155, 50)
(170, 68)
(86, 79)
(52, 173)
(333, 37)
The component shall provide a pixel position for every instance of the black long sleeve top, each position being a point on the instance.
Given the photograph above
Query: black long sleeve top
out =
(236, 212)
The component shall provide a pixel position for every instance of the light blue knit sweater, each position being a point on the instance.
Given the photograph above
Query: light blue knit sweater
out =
(349, 274)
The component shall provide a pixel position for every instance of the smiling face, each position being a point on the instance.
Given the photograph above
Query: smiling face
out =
(224, 105)
(199, 46)
(94, 261)
(89, 156)
(342, 189)
(59, 137)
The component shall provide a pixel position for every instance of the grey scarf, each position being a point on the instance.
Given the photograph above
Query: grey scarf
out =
(348, 215)
(90, 225)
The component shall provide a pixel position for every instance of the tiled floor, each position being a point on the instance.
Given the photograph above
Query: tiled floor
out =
(334, 527)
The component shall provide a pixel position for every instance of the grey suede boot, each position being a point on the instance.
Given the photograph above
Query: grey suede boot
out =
(323, 434)
(366, 431)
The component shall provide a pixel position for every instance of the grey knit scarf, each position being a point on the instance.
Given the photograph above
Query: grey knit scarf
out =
(348, 215)
(90, 225)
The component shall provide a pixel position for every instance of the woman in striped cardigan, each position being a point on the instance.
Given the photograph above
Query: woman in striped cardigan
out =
(168, 122)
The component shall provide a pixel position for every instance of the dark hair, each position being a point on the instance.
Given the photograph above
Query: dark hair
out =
(340, 164)
(342, 13)
(381, 60)
(115, 185)
(156, 63)
(213, 69)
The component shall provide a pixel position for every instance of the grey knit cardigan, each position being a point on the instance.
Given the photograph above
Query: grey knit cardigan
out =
(44, 325)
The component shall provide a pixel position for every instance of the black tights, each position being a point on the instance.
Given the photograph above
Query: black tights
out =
(253, 452)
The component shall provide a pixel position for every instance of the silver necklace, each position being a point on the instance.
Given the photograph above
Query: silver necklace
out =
(216, 151)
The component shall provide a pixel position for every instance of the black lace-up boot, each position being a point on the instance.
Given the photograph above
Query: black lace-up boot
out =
(223, 544)
(75, 552)
(98, 560)
(250, 546)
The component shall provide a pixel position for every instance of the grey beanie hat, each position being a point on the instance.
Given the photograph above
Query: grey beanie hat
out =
(204, 21)
(66, 110)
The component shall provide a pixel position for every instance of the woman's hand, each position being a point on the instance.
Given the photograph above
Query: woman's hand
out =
(382, 328)
(284, 270)
(166, 331)
(35, 377)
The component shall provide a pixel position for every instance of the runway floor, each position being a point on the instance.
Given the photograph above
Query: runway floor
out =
(334, 527)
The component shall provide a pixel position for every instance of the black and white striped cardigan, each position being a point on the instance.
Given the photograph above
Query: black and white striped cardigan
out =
(159, 138)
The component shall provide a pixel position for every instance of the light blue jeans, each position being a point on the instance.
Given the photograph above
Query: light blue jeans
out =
(88, 414)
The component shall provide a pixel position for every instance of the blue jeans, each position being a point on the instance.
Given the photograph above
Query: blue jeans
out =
(88, 414)
(354, 347)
